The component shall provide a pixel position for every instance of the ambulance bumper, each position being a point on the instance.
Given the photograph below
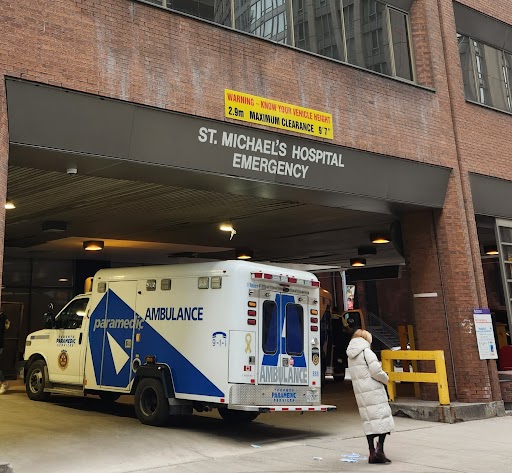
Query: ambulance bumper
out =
(321, 408)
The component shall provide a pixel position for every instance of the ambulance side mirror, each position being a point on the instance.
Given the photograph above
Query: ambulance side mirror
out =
(49, 317)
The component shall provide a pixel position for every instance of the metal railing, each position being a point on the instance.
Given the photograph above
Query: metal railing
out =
(439, 377)
(388, 335)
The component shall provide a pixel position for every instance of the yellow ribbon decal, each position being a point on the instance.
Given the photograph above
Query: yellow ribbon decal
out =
(248, 339)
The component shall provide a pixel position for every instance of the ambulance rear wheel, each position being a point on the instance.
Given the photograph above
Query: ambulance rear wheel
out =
(151, 405)
(35, 381)
(237, 417)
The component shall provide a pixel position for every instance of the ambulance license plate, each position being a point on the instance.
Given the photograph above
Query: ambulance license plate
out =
(312, 396)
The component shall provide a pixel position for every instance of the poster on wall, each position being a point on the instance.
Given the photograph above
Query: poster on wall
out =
(485, 334)
(350, 295)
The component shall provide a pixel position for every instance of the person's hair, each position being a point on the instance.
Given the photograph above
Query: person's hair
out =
(360, 333)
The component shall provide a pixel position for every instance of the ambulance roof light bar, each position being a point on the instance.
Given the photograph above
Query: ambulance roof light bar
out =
(286, 279)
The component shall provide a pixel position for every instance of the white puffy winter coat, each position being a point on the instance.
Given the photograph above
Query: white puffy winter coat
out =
(368, 381)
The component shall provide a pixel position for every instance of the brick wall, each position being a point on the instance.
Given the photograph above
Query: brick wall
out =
(395, 302)
(132, 51)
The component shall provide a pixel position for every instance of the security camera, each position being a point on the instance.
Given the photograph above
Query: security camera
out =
(71, 171)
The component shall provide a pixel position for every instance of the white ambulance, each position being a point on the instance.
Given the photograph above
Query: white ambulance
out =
(238, 336)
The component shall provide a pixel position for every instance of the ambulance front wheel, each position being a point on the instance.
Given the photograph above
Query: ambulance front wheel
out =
(151, 405)
(35, 381)
(237, 417)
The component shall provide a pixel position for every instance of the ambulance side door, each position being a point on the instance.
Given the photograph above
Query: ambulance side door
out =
(66, 354)
(118, 335)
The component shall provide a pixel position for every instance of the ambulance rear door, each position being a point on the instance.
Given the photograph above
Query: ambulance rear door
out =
(283, 353)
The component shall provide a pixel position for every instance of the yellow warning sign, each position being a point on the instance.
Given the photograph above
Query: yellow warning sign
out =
(253, 109)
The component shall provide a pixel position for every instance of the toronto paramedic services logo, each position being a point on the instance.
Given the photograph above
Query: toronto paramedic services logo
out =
(63, 360)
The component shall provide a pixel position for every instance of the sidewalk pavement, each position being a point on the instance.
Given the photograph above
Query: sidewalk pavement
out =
(72, 435)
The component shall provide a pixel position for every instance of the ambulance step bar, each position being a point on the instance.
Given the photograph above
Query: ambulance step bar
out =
(322, 408)
(70, 391)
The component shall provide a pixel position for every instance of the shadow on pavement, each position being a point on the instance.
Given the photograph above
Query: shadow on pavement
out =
(254, 432)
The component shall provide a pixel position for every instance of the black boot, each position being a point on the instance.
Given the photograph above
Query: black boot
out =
(373, 458)
(379, 454)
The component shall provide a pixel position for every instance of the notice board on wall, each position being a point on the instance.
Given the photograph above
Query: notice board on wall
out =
(485, 334)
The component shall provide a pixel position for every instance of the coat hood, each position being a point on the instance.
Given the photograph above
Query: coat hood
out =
(356, 346)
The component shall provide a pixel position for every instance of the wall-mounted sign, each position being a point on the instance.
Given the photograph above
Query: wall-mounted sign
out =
(253, 109)
(485, 334)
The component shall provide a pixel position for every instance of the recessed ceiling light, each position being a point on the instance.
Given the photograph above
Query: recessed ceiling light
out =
(93, 245)
(380, 238)
(357, 262)
(244, 253)
(9, 204)
(491, 250)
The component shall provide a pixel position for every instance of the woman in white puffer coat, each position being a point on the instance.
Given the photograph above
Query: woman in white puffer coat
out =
(369, 381)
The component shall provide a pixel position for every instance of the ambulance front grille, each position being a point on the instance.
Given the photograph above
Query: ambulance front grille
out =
(272, 394)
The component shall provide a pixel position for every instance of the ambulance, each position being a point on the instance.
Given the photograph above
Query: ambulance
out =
(236, 336)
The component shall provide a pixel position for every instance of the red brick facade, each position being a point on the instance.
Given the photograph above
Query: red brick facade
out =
(132, 51)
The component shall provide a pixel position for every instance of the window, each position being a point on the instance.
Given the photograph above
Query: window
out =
(294, 329)
(400, 42)
(265, 18)
(368, 33)
(318, 28)
(218, 11)
(377, 37)
(269, 336)
(72, 315)
(486, 73)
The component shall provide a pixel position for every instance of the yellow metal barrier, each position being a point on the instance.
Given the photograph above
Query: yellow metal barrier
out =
(439, 377)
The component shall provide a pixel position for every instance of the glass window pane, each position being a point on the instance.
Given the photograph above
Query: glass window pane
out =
(494, 68)
(72, 315)
(52, 273)
(16, 272)
(218, 11)
(467, 64)
(400, 39)
(365, 30)
(318, 27)
(269, 330)
(294, 329)
(482, 85)
(506, 234)
(268, 19)
(508, 78)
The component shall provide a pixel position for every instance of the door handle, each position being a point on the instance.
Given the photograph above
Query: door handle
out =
(80, 338)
